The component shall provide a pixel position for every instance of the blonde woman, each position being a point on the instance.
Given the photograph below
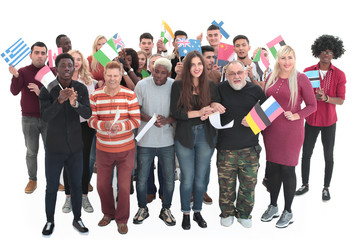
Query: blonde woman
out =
(95, 67)
(142, 56)
(284, 137)
(82, 74)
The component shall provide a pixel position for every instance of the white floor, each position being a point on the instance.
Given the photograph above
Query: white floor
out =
(23, 215)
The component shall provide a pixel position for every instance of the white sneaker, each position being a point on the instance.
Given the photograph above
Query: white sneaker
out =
(67, 205)
(227, 221)
(86, 205)
(245, 222)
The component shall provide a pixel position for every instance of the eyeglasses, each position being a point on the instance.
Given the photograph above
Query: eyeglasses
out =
(233, 74)
(328, 53)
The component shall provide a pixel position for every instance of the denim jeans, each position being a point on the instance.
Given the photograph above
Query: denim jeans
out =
(194, 166)
(145, 158)
(31, 128)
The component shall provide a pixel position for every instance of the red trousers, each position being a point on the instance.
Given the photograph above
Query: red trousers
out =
(124, 161)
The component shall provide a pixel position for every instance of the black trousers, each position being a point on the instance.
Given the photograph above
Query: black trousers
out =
(328, 141)
(87, 138)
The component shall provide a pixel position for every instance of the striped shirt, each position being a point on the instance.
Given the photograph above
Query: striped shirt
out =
(104, 108)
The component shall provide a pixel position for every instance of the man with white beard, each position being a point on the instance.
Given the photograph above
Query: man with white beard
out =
(238, 148)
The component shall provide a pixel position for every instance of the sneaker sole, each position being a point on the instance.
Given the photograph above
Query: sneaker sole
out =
(141, 221)
(167, 223)
(269, 219)
(207, 203)
(284, 226)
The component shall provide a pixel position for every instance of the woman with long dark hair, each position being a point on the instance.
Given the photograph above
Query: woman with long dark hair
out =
(194, 136)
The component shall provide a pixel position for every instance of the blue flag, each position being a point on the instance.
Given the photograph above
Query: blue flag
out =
(314, 78)
(16, 53)
(187, 45)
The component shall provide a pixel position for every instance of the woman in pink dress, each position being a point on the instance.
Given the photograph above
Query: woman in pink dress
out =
(284, 137)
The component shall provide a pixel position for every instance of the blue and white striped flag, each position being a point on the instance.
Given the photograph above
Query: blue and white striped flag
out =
(16, 53)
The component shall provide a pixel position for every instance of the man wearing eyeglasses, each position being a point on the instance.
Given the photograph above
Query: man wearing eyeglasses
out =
(238, 147)
(331, 93)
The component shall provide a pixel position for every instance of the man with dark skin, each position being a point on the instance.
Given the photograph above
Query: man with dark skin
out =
(60, 107)
(64, 42)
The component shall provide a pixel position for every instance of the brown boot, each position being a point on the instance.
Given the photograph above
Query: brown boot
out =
(31, 186)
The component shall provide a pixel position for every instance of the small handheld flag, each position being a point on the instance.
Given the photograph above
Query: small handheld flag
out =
(107, 53)
(261, 62)
(225, 52)
(52, 57)
(187, 45)
(16, 53)
(118, 41)
(46, 77)
(262, 116)
(223, 32)
(166, 33)
(275, 44)
(314, 77)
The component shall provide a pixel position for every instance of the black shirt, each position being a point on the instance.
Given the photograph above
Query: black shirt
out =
(238, 104)
(64, 128)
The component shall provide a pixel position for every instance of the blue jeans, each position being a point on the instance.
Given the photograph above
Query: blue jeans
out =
(194, 166)
(166, 158)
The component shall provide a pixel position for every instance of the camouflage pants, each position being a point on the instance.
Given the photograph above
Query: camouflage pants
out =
(242, 164)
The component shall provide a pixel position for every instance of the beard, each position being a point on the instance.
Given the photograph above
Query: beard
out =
(236, 87)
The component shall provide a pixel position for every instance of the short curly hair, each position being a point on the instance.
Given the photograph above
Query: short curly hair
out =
(330, 42)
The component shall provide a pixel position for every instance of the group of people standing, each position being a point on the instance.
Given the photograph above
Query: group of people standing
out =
(95, 112)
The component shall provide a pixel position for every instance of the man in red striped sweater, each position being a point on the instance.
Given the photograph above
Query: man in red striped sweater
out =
(115, 143)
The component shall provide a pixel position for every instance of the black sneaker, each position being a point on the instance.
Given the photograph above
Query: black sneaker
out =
(325, 194)
(79, 226)
(167, 217)
(303, 189)
(48, 228)
(199, 219)
(141, 215)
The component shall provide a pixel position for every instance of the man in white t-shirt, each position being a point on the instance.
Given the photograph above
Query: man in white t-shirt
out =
(153, 94)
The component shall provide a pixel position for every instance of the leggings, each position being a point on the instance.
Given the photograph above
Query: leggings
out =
(282, 174)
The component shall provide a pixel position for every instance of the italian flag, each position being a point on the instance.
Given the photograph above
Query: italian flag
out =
(107, 53)
(275, 44)
(166, 33)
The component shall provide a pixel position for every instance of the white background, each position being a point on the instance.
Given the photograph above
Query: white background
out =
(299, 23)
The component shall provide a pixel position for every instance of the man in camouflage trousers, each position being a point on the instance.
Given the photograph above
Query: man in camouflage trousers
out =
(238, 147)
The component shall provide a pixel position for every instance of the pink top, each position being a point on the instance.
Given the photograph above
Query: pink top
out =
(334, 85)
(283, 138)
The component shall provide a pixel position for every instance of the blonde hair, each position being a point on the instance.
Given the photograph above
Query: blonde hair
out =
(94, 63)
(83, 72)
(145, 54)
(292, 79)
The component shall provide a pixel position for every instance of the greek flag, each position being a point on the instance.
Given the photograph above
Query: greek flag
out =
(16, 53)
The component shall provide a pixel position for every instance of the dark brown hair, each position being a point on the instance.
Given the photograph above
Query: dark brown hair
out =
(186, 89)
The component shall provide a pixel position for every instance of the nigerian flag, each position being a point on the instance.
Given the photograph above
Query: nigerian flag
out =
(166, 33)
(107, 53)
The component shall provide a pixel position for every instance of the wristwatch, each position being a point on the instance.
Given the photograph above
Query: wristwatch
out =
(131, 70)
(125, 74)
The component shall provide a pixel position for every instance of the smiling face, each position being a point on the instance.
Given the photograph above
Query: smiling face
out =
(214, 37)
(196, 68)
(236, 76)
(112, 78)
(78, 61)
(286, 63)
(142, 60)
